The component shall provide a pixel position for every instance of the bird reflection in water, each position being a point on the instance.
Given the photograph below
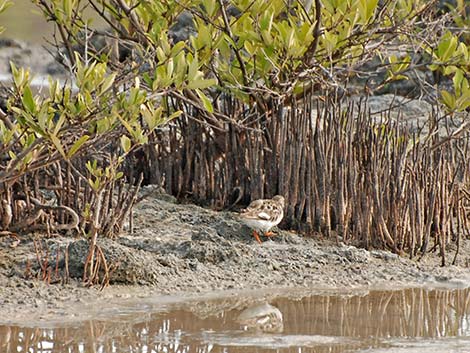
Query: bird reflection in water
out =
(261, 318)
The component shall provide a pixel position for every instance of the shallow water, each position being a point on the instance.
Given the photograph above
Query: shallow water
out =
(24, 21)
(410, 320)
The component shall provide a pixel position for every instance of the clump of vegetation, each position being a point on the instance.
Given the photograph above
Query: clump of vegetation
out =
(207, 97)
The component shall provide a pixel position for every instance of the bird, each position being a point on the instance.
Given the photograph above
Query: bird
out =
(263, 214)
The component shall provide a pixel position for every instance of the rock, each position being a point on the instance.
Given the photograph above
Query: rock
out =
(11, 43)
(183, 28)
(385, 255)
(128, 266)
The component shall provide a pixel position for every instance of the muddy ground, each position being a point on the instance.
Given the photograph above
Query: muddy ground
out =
(185, 250)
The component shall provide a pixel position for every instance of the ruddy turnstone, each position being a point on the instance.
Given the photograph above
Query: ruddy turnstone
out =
(262, 215)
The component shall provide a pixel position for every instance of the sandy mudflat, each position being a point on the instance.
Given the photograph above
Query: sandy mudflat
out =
(185, 250)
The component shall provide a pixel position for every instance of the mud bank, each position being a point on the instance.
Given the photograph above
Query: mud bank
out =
(183, 250)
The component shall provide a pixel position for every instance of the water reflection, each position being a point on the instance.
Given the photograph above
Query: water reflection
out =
(384, 321)
(403, 313)
(261, 318)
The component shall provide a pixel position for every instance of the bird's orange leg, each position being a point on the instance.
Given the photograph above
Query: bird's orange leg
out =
(269, 234)
(256, 235)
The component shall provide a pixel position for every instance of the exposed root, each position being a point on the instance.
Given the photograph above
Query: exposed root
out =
(38, 212)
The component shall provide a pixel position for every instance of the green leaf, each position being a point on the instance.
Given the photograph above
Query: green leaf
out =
(160, 55)
(447, 46)
(330, 42)
(127, 125)
(210, 6)
(59, 124)
(448, 99)
(5, 5)
(42, 118)
(463, 102)
(95, 185)
(366, 9)
(18, 75)
(108, 82)
(249, 47)
(89, 166)
(175, 115)
(126, 143)
(151, 116)
(170, 67)
(58, 145)
(28, 100)
(76, 146)
(68, 7)
(457, 80)
(202, 83)
(192, 68)
(205, 101)
(371, 7)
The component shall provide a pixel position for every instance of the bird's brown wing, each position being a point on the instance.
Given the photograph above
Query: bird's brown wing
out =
(267, 210)
(256, 210)
(255, 205)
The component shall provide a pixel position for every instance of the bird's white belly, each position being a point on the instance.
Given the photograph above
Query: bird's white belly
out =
(258, 224)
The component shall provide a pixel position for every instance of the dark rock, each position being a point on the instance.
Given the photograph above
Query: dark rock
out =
(385, 255)
(11, 43)
(55, 69)
(183, 28)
